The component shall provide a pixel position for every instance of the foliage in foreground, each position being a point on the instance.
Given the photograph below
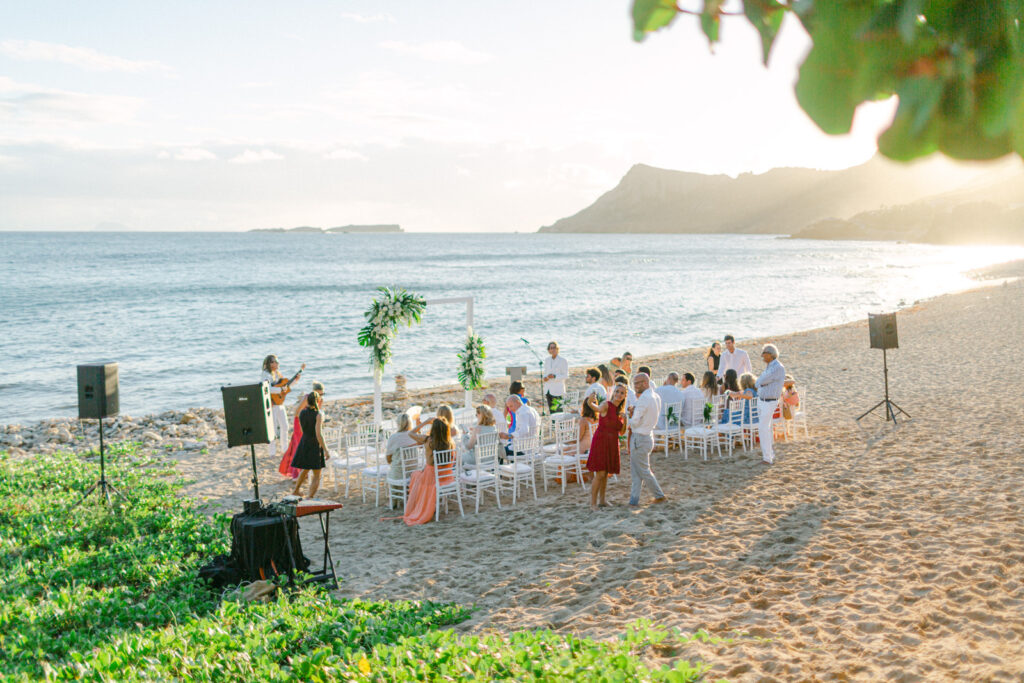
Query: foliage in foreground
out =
(956, 65)
(112, 596)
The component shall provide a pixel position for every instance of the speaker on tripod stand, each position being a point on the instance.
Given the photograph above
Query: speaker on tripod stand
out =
(98, 387)
(883, 335)
(248, 422)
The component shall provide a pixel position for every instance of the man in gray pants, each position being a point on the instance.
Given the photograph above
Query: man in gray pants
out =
(643, 417)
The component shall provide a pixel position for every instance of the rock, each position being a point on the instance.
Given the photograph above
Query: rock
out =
(150, 435)
(187, 418)
(63, 435)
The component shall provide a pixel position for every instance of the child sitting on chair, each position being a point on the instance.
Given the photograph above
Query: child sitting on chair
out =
(790, 398)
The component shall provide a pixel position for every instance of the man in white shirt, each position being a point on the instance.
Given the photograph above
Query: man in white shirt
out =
(733, 359)
(592, 378)
(769, 391)
(556, 372)
(693, 401)
(527, 422)
(669, 393)
(642, 419)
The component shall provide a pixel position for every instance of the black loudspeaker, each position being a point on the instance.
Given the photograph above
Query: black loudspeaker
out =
(882, 328)
(97, 391)
(247, 414)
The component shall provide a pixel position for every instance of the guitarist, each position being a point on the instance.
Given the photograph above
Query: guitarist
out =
(279, 388)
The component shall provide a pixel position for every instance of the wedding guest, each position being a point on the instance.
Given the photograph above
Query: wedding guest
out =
(606, 381)
(285, 466)
(713, 356)
(730, 386)
(769, 388)
(643, 417)
(484, 425)
(594, 386)
(491, 401)
(516, 388)
(669, 392)
(604, 447)
(790, 398)
(525, 425)
(709, 386)
(693, 401)
(616, 362)
(747, 393)
(556, 372)
(627, 363)
(445, 413)
(311, 454)
(404, 437)
(646, 369)
(422, 491)
(630, 394)
(588, 423)
(733, 358)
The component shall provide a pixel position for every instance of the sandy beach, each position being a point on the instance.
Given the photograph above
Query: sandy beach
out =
(864, 553)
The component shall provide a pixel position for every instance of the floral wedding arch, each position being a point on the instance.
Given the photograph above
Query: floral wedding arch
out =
(396, 307)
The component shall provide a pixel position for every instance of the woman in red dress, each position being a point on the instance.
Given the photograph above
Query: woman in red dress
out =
(604, 449)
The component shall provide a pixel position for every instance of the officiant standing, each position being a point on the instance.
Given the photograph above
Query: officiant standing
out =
(556, 372)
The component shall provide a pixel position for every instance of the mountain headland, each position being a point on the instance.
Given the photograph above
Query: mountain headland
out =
(933, 201)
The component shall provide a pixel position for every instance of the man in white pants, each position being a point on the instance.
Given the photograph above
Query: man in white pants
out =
(643, 417)
(769, 391)
(556, 372)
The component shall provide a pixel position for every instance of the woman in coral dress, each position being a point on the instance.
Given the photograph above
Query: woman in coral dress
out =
(604, 448)
(422, 492)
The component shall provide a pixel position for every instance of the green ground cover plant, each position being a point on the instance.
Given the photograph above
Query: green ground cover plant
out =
(112, 595)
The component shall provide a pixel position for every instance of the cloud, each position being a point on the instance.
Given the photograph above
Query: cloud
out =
(367, 18)
(81, 57)
(253, 157)
(345, 154)
(189, 154)
(35, 105)
(437, 51)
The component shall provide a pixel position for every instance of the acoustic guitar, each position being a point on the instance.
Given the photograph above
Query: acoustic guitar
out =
(285, 386)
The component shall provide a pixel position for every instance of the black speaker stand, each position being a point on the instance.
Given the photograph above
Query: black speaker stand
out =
(890, 407)
(255, 476)
(105, 488)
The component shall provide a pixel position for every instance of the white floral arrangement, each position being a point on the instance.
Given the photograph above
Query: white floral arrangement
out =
(392, 308)
(471, 363)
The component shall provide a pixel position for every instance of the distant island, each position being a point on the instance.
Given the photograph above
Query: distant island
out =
(391, 227)
(935, 201)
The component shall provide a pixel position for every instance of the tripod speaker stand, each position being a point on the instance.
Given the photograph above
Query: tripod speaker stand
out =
(98, 398)
(882, 330)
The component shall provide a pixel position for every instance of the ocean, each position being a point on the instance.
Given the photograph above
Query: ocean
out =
(186, 313)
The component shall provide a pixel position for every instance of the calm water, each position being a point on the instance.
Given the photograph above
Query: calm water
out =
(184, 314)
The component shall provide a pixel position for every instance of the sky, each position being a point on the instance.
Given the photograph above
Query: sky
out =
(440, 116)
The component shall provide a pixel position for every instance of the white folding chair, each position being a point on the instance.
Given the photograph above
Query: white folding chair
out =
(410, 457)
(521, 471)
(671, 416)
(699, 436)
(751, 421)
(571, 399)
(350, 460)
(484, 474)
(446, 482)
(732, 428)
(563, 459)
(800, 415)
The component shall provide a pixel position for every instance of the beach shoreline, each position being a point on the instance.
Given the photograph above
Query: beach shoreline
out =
(865, 552)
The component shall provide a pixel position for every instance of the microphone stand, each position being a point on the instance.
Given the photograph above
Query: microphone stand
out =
(540, 364)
